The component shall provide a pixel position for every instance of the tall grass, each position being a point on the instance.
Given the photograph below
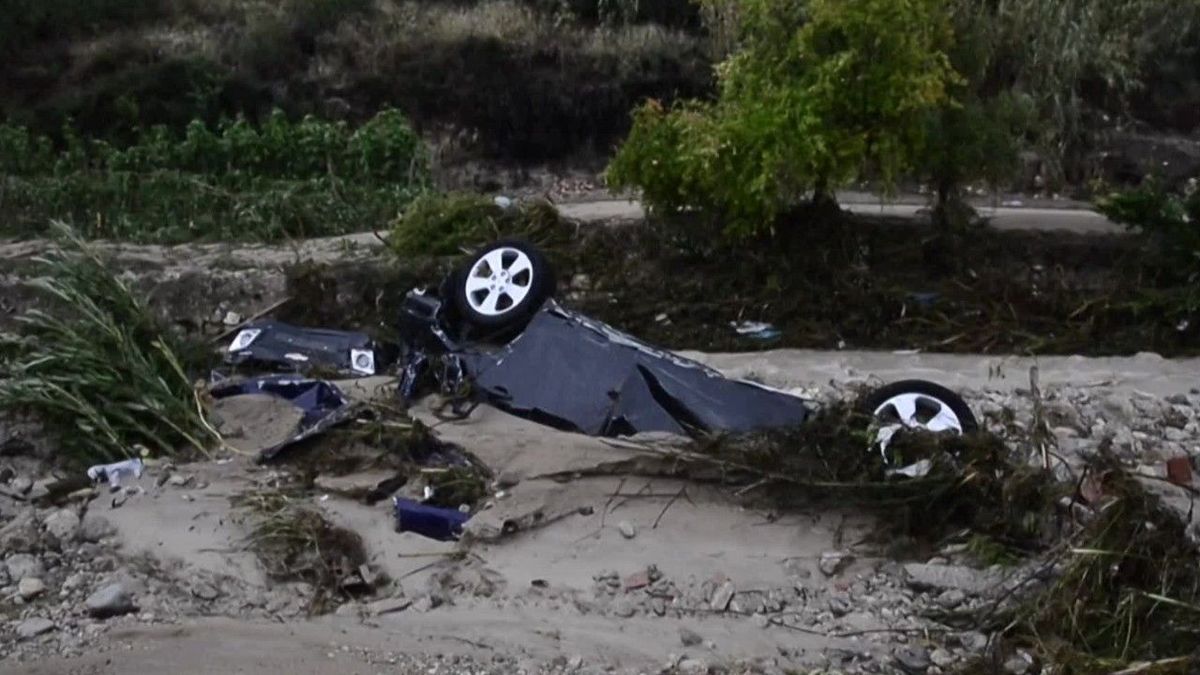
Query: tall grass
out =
(95, 366)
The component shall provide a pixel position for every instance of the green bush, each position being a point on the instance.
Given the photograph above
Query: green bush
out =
(97, 368)
(820, 93)
(283, 179)
(1170, 222)
(446, 224)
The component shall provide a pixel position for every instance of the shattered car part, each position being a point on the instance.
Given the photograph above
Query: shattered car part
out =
(280, 346)
(574, 373)
(323, 404)
(429, 521)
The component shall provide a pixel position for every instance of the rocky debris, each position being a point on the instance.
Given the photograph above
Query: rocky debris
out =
(95, 527)
(21, 535)
(913, 660)
(30, 587)
(689, 638)
(111, 600)
(832, 563)
(1019, 663)
(24, 565)
(355, 485)
(63, 525)
(942, 658)
(926, 577)
(722, 596)
(627, 529)
(31, 628)
(388, 606)
(21, 485)
(692, 667)
(205, 591)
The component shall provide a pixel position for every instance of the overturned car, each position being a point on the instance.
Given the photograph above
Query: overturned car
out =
(493, 333)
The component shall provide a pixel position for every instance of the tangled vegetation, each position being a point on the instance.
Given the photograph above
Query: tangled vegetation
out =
(236, 182)
(438, 224)
(97, 369)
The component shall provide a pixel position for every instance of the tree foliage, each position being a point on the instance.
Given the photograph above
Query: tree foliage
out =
(818, 94)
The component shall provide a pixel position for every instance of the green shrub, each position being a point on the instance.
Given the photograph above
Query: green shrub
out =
(820, 93)
(97, 368)
(1170, 222)
(446, 224)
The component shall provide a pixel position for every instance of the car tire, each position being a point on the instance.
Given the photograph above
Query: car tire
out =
(503, 285)
(920, 404)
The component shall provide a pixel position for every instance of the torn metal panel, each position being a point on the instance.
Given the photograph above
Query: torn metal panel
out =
(323, 404)
(281, 346)
(575, 373)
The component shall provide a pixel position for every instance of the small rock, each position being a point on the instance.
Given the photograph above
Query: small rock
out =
(839, 607)
(949, 577)
(1019, 663)
(180, 480)
(423, 604)
(942, 658)
(689, 638)
(627, 529)
(389, 605)
(205, 591)
(63, 525)
(111, 600)
(637, 580)
(30, 587)
(1178, 399)
(913, 660)
(951, 598)
(95, 528)
(231, 318)
(693, 667)
(1117, 408)
(722, 596)
(31, 628)
(24, 565)
(658, 606)
(833, 562)
(21, 534)
(508, 480)
(22, 484)
(624, 609)
(575, 663)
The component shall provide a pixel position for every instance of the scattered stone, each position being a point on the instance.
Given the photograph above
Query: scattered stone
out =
(658, 606)
(722, 596)
(913, 660)
(423, 604)
(31, 628)
(389, 605)
(637, 580)
(1117, 408)
(924, 577)
(575, 663)
(693, 667)
(356, 485)
(833, 563)
(24, 565)
(951, 598)
(624, 609)
(63, 525)
(112, 600)
(942, 658)
(689, 638)
(231, 318)
(30, 587)
(839, 607)
(627, 529)
(1019, 663)
(180, 480)
(95, 528)
(205, 591)
(21, 485)
(21, 535)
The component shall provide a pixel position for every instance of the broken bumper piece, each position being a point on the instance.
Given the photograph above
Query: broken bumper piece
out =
(280, 346)
(428, 521)
(323, 404)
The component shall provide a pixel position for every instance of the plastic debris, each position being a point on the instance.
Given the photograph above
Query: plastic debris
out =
(114, 473)
(428, 521)
(757, 330)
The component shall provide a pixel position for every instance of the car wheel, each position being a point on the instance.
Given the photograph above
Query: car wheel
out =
(502, 285)
(917, 404)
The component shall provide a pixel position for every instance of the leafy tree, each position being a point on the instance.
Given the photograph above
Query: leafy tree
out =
(818, 94)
